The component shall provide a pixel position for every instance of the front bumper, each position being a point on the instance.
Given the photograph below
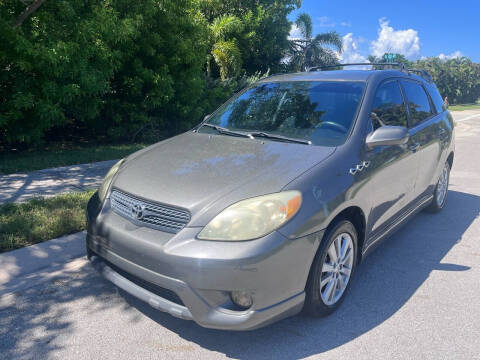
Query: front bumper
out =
(199, 275)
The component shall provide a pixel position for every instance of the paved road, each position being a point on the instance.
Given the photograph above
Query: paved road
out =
(417, 296)
(48, 182)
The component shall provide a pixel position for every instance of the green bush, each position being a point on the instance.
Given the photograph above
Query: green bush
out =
(458, 78)
(128, 71)
(57, 65)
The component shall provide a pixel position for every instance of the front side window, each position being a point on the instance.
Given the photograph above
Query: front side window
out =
(319, 111)
(388, 107)
(418, 104)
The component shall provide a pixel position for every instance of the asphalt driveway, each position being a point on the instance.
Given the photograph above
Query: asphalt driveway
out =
(417, 296)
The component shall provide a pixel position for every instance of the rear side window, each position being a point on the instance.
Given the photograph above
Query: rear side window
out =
(418, 103)
(436, 99)
(388, 107)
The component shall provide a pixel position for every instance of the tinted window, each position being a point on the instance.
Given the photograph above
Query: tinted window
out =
(319, 111)
(417, 100)
(388, 107)
(436, 98)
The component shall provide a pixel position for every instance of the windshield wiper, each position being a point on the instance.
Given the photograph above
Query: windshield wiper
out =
(251, 135)
(280, 137)
(225, 131)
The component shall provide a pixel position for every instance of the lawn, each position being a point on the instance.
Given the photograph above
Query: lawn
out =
(461, 107)
(11, 161)
(42, 219)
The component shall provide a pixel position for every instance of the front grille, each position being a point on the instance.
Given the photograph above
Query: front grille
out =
(146, 213)
(153, 288)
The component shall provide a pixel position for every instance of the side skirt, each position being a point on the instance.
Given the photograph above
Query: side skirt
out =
(373, 242)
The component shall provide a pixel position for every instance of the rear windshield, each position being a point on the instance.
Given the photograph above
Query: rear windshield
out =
(321, 111)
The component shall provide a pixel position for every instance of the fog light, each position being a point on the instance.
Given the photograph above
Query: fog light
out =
(242, 299)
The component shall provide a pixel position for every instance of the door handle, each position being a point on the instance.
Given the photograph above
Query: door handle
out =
(414, 147)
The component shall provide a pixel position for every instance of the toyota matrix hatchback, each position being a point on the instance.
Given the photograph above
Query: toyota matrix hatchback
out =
(267, 206)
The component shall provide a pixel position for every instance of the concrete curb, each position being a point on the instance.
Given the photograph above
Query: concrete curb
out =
(51, 255)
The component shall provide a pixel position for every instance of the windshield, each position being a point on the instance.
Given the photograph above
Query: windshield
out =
(319, 111)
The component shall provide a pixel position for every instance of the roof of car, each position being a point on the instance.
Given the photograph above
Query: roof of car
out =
(339, 75)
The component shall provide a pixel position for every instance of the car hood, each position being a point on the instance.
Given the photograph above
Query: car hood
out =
(195, 170)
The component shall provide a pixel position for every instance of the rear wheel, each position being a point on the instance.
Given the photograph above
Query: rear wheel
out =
(332, 270)
(441, 190)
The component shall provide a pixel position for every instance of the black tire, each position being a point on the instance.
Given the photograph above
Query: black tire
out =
(314, 305)
(434, 206)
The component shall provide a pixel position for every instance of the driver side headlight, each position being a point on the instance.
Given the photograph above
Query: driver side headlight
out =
(253, 218)
(103, 190)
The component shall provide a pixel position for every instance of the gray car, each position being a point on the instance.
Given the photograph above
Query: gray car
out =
(267, 206)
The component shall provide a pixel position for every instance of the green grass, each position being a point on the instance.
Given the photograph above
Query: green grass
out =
(42, 219)
(11, 161)
(461, 107)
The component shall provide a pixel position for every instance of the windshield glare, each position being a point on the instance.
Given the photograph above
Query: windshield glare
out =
(319, 111)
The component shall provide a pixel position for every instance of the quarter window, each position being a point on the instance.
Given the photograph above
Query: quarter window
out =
(437, 99)
(418, 104)
(388, 107)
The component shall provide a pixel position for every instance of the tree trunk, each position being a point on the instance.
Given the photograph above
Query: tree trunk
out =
(29, 10)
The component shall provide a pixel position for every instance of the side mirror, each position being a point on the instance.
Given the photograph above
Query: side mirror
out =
(387, 136)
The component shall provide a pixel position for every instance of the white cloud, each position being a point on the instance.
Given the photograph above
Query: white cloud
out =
(351, 53)
(453, 55)
(350, 50)
(295, 32)
(324, 21)
(404, 42)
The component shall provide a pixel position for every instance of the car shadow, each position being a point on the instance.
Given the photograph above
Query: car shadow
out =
(384, 282)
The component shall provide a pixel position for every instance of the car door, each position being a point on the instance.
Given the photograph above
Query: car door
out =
(391, 170)
(423, 124)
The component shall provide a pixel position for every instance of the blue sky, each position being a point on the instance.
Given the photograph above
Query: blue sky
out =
(413, 28)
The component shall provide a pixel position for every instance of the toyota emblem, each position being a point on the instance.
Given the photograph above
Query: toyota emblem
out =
(138, 211)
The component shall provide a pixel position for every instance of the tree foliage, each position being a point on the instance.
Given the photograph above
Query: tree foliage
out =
(256, 31)
(117, 69)
(56, 66)
(309, 51)
(457, 78)
(399, 58)
(120, 70)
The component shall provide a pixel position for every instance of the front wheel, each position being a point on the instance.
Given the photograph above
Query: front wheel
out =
(441, 190)
(332, 270)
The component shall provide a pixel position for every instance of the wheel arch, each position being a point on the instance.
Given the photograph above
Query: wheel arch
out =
(356, 216)
(450, 159)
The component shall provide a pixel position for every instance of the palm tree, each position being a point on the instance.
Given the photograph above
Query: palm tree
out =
(225, 51)
(311, 51)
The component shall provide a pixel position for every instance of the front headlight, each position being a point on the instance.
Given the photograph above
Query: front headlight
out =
(253, 218)
(103, 190)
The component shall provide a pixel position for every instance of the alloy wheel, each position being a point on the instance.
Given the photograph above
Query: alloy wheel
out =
(337, 268)
(442, 186)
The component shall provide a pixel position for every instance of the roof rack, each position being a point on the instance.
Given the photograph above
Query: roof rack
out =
(400, 66)
(422, 73)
